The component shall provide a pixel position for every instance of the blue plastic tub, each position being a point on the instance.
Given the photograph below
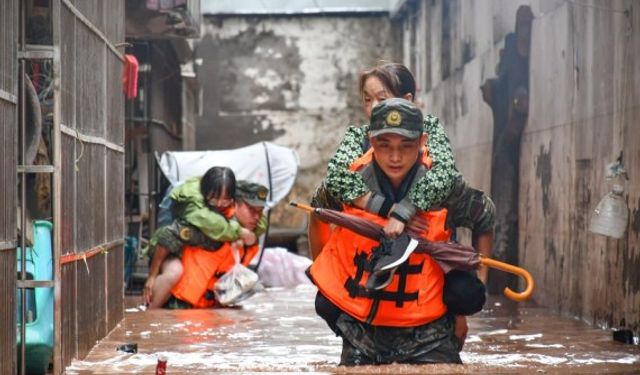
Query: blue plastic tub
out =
(39, 318)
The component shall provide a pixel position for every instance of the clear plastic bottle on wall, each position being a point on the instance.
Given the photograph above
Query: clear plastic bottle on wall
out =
(611, 214)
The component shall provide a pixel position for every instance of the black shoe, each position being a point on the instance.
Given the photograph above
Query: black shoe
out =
(401, 248)
(380, 280)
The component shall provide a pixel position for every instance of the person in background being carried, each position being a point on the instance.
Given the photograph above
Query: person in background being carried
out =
(387, 317)
(204, 266)
(441, 186)
(198, 221)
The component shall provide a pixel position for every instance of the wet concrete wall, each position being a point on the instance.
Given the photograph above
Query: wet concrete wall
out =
(584, 95)
(583, 113)
(289, 80)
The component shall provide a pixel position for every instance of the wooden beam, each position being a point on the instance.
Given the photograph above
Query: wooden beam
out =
(74, 257)
(8, 245)
(90, 139)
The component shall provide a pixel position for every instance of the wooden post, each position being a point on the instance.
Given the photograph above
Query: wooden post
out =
(57, 184)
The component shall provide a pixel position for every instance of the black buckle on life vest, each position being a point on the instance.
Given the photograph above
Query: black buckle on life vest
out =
(364, 264)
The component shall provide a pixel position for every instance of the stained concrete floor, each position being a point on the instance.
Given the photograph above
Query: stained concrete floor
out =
(278, 331)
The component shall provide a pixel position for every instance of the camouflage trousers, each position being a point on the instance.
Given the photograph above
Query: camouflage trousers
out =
(364, 344)
(178, 234)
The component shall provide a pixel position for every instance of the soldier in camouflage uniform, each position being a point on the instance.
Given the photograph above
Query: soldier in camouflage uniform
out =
(382, 329)
(199, 221)
(196, 224)
(441, 187)
(250, 201)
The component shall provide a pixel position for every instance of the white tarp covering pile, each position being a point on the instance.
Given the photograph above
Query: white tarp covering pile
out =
(282, 268)
(265, 163)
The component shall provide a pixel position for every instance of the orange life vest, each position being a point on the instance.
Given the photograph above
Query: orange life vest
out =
(414, 296)
(321, 229)
(202, 269)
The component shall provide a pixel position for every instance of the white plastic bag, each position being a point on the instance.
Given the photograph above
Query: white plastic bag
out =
(237, 284)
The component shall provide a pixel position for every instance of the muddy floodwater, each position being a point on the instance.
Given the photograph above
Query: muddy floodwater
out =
(278, 331)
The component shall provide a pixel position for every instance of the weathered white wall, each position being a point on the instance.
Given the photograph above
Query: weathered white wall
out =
(584, 106)
(290, 80)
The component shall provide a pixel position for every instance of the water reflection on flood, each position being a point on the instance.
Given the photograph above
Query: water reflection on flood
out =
(278, 331)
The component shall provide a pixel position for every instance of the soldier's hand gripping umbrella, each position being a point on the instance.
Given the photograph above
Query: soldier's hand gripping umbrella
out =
(449, 255)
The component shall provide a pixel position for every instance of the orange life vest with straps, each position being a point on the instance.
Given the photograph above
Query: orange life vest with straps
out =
(202, 269)
(414, 296)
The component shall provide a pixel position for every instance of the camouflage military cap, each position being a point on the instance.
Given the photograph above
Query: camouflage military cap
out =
(252, 193)
(396, 116)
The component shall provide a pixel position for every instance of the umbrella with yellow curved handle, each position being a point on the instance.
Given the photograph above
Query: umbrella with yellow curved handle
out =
(518, 271)
(448, 254)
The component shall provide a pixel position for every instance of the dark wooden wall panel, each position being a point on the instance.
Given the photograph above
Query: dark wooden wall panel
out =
(7, 312)
(8, 193)
(92, 112)
(115, 297)
(68, 195)
(68, 67)
(115, 103)
(115, 192)
(69, 304)
(90, 198)
(90, 306)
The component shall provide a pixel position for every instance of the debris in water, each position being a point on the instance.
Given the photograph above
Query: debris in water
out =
(161, 367)
(131, 347)
(624, 336)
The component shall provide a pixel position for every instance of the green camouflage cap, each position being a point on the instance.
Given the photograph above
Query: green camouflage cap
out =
(252, 193)
(396, 116)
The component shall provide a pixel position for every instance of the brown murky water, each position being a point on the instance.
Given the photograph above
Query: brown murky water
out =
(278, 331)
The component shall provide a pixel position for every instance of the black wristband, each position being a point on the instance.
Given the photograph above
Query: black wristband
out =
(402, 219)
(404, 209)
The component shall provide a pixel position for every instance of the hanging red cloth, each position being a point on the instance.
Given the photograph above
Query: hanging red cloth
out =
(130, 76)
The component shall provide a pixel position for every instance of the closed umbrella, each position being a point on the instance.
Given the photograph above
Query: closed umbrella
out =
(449, 255)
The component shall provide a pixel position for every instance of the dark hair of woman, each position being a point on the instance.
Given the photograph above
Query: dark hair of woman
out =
(395, 77)
(216, 180)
